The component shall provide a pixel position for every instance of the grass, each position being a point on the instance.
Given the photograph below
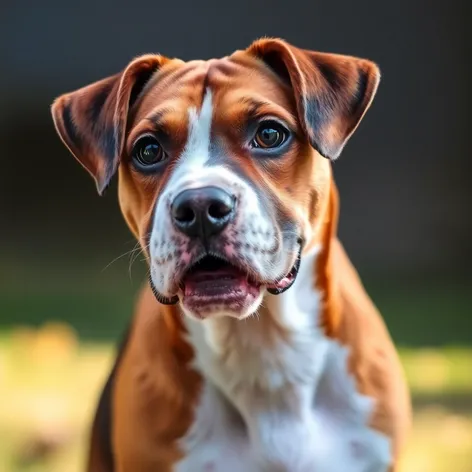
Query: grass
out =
(50, 382)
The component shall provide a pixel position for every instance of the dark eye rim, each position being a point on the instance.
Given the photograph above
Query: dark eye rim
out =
(275, 124)
(141, 166)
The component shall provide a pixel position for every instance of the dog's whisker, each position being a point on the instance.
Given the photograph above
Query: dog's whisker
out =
(135, 256)
(127, 253)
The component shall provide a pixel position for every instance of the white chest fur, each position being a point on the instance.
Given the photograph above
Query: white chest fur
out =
(278, 397)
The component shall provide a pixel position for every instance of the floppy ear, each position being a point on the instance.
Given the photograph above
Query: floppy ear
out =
(92, 120)
(332, 91)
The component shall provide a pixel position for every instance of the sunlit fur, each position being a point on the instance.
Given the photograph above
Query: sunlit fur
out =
(311, 381)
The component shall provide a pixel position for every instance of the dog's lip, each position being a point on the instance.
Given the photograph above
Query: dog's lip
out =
(172, 300)
(284, 283)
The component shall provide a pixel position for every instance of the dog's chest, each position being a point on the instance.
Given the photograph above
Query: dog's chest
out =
(329, 433)
(282, 404)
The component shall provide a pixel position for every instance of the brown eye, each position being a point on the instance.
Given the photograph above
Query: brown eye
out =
(147, 152)
(270, 135)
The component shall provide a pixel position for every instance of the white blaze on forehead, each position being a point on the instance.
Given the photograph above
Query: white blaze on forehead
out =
(192, 168)
(197, 149)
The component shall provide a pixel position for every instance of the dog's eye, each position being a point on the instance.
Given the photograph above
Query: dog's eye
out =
(269, 135)
(147, 152)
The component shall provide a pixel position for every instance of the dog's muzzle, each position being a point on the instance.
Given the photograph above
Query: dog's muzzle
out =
(220, 271)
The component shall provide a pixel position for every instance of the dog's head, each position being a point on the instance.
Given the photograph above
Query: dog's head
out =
(223, 164)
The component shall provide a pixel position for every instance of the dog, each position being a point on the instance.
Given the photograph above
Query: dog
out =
(254, 346)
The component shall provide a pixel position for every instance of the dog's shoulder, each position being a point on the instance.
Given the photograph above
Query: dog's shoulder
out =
(373, 359)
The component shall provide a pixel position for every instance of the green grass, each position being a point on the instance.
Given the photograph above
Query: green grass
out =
(50, 382)
(445, 371)
(425, 312)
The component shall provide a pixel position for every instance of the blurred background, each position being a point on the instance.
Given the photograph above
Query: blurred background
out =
(66, 294)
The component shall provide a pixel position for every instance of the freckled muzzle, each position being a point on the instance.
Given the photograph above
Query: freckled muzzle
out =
(225, 247)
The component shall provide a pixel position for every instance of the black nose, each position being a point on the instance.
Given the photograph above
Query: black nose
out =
(202, 212)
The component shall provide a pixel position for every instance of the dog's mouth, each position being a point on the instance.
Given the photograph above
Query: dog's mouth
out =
(214, 282)
(213, 275)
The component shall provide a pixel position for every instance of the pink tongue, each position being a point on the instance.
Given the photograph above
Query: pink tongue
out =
(214, 282)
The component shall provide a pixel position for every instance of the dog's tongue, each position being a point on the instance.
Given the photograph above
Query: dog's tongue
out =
(215, 282)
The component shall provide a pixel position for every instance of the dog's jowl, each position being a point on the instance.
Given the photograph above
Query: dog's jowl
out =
(254, 346)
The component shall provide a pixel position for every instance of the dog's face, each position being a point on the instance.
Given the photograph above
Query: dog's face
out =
(223, 164)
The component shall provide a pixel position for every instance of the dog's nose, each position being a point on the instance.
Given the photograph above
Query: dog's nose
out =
(202, 212)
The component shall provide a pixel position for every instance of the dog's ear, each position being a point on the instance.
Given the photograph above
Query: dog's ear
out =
(92, 120)
(332, 91)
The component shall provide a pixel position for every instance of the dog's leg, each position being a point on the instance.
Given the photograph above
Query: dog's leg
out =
(100, 456)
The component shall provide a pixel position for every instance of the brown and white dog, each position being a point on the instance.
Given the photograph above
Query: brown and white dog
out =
(254, 346)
